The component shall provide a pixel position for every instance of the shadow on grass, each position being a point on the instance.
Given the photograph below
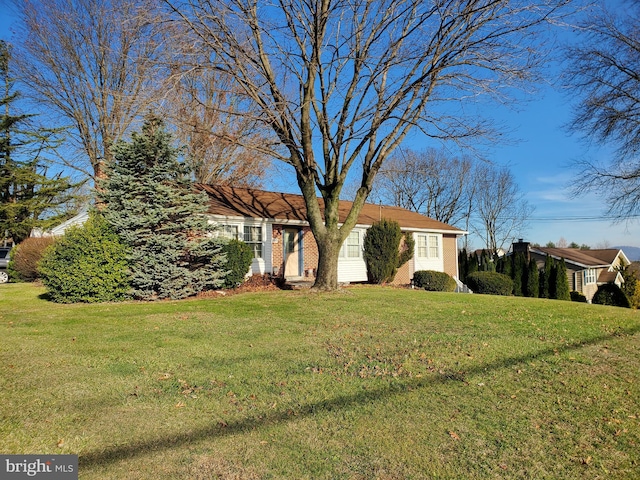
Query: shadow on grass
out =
(120, 452)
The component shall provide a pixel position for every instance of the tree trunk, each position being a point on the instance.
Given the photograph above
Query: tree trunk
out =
(327, 273)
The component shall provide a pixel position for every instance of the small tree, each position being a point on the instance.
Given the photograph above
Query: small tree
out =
(629, 287)
(545, 278)
(561, 289)
(533, 280)
(473, 265)
(149, 201)
(463, 263)
(382, 253)
(519, 274)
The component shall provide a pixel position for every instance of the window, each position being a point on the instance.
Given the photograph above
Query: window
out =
(434, 247)
(351, 246)
(253, 238)
(229, 231)
(428, 246)
(421, 246)
(590, 276)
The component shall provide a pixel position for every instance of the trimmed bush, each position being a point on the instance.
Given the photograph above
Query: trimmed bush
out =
(434, 281)
(491, 283)
(25, 257)
(87, 265)
(382, 253)
(577, 297)
(610, 294)
(239, 256)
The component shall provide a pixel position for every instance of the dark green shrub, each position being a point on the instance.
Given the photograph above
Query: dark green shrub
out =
(25, 257)
(519, 274)
(533, 280)
(434, 281)
(382, 251)
(610, 294)
(578, 297)
(491, 283)
(88, 265)
(559, 274)
(239, 257)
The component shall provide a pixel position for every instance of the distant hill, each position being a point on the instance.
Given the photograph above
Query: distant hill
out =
(632, 253)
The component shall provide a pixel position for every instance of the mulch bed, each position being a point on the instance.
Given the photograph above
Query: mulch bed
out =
(255, 283)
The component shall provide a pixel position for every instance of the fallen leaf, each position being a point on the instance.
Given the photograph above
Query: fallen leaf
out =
(454, 435)
(181, 405)
(60, 443)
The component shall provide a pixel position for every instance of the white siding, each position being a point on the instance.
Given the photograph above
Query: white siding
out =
(350, 267)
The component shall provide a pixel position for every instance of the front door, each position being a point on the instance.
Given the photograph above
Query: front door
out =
(292, 252)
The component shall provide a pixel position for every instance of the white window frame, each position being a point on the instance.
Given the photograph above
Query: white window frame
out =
(229, 231)
(427, 246)
(590, 276)
(253, 240)
(434, 246)
(351, 248)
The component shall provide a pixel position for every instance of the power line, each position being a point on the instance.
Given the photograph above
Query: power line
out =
(586, 218)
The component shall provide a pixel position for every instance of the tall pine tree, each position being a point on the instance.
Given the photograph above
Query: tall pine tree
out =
(149, 200)
(545, 278)
(533, 279)
(28, 197)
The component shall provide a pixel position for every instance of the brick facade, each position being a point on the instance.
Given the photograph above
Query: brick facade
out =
(450, 252)
(309, 250)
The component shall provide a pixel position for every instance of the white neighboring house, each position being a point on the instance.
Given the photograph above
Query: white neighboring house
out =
(59, 230)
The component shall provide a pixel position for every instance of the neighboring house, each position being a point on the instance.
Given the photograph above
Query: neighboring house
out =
(276, 227)
(59, 230)
(586, 269)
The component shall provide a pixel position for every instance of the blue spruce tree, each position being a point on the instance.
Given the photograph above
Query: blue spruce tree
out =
(149, 201)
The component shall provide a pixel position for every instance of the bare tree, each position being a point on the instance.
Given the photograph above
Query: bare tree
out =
(501, 213)
(221, 146)
(341, 82)
(431, 182)
(604, 72)
(92, 64)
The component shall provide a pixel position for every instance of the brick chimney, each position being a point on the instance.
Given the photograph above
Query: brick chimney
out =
(521, 247)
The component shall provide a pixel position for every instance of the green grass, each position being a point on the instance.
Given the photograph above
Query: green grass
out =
(373, 383)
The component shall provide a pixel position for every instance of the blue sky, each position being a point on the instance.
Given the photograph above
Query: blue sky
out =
(539, 156)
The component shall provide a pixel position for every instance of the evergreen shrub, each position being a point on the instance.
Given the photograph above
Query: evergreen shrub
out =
(434, 281)
(88, 264)
(491, 283)
(578, 297)
(382, 251)
(239, 256)
(25, 257)
(610, 294)
(559, 274)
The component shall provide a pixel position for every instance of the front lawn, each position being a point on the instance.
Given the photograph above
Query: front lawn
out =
(373, 383)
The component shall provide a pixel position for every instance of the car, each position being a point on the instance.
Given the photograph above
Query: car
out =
(4, 263)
